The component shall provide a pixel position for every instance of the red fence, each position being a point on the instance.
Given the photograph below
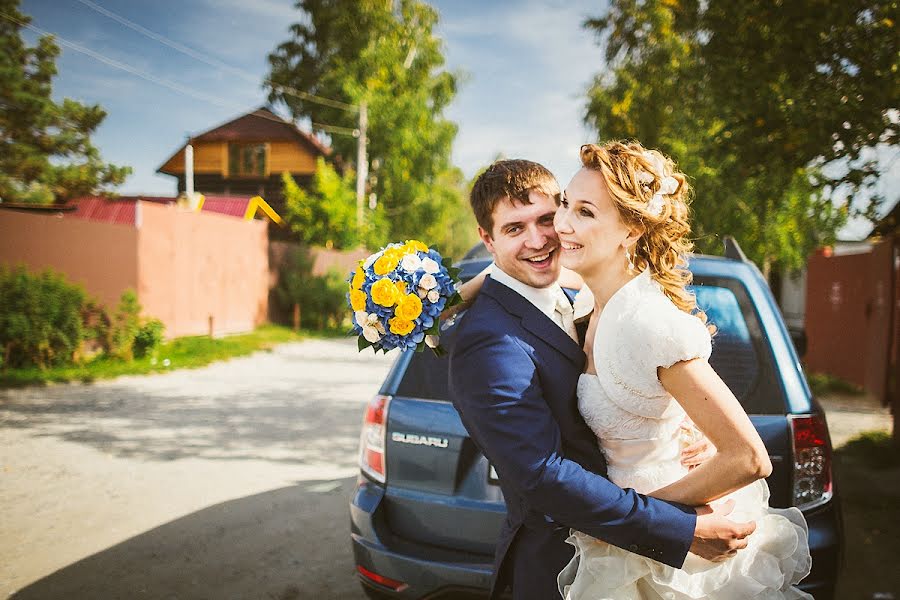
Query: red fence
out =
(853, 316)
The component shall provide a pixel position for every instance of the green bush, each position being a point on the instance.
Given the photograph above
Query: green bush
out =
(126, 323)
(322, 299)
(41, 320)
(148, 338)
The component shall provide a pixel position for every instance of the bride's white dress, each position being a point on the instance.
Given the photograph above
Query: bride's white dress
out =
(638, 427)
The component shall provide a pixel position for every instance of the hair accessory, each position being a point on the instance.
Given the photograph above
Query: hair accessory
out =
(668, 184)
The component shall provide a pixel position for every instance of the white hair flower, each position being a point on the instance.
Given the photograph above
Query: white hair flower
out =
(667, 184)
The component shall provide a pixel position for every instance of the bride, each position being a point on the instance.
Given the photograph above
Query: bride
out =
(623, 227)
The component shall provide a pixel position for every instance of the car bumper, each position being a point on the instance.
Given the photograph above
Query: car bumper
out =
(826, 542)
(427, 572)
(434, 574)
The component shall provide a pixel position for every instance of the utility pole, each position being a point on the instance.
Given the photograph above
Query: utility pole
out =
(362, 162)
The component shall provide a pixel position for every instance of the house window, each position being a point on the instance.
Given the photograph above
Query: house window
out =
(247, 160)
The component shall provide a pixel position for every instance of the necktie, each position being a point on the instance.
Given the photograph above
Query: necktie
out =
(565, 316)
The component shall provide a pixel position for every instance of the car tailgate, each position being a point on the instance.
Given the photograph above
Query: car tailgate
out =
(438, 490)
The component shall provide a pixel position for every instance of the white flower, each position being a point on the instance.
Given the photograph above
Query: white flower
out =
(667, 184)
(428, 281)
(433, 296)
(430, 265)
(655, 205)
(422, 292)
(411, 263)
(645, 177)
(371, 334)
(372, 258)
(372, 319)
(361, 317)
(431, 341)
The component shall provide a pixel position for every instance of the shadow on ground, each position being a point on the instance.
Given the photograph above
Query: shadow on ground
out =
(290, 409)
(267, 546)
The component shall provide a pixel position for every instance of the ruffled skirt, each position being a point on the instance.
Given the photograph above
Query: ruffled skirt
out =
(775, 560)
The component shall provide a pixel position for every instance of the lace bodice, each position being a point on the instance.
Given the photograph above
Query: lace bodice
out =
(635, 419)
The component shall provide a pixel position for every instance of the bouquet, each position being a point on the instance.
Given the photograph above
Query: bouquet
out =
(397, 296)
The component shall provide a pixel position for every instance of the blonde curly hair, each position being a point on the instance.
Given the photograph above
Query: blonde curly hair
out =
(626, 168)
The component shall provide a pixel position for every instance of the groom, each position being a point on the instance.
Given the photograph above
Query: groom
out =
(513, 373)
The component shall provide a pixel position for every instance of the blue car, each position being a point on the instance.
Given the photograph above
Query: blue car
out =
(427, 508)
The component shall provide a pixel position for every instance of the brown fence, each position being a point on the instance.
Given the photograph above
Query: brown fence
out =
(852, 316)
(191, 270)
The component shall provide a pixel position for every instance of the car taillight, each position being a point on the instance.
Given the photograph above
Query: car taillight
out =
(812, 483)
(397, 586)
(371, 441)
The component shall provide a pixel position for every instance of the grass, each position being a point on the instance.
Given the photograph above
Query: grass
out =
(824, 384)
(867, 469)
(180, 353)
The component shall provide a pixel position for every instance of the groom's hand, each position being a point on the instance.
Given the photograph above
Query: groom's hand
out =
(717, 538)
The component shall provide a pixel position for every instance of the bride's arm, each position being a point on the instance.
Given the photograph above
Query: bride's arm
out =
(468, 291)
(741, 456)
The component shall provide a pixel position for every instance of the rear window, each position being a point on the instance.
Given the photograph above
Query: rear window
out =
(740, 356)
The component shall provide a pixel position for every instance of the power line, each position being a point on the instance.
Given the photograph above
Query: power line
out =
(123, 66)
(214, 62)
(149, 76)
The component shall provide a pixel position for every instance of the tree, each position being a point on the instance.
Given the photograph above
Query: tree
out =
(45, 150)
(769, 106)
(384, 53)
(324, 215)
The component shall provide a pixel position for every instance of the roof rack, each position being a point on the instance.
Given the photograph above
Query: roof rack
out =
(733, 250)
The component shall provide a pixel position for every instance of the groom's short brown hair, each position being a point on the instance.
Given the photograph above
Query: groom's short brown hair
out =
(513, 179)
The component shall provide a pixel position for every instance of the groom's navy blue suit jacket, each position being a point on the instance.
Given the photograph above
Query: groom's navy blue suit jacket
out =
(513, 375)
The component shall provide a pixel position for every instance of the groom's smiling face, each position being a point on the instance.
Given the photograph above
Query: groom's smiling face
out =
(523, 241)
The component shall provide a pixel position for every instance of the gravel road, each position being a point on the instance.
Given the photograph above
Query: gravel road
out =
(230, 481)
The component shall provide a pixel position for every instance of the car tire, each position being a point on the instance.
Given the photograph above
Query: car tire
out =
(374, 594)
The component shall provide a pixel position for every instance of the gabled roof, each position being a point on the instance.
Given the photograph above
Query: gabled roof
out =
(260, 125)
(122, 209)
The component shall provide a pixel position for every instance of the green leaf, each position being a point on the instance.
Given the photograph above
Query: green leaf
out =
(363, 343)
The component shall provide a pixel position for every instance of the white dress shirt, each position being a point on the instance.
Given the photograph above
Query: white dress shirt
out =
(544, 299)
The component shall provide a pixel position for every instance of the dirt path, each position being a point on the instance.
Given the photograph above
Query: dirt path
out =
(230, 481)
(848, 416)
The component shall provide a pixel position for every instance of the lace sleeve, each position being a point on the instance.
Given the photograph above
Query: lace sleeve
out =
(681, 337)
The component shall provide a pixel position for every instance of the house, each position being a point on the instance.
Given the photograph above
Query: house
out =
(246, 156)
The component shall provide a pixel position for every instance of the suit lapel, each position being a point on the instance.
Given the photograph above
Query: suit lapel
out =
(535, 321)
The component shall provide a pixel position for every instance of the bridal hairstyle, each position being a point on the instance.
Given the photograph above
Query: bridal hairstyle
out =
(663, 246)
(513, 179)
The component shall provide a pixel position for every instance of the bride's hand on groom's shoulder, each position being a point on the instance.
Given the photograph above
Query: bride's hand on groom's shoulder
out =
(716, 537)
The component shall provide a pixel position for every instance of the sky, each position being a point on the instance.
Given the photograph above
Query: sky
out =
(526, 65)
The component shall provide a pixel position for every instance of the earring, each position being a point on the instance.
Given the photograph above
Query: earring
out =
(628, 259)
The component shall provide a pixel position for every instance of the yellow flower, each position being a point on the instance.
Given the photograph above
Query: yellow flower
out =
(415, 246)
(357, 300)
(409, 307)
(384, 292)
(401, 287)
(401, 326)
(358, 279)
(386, 264)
